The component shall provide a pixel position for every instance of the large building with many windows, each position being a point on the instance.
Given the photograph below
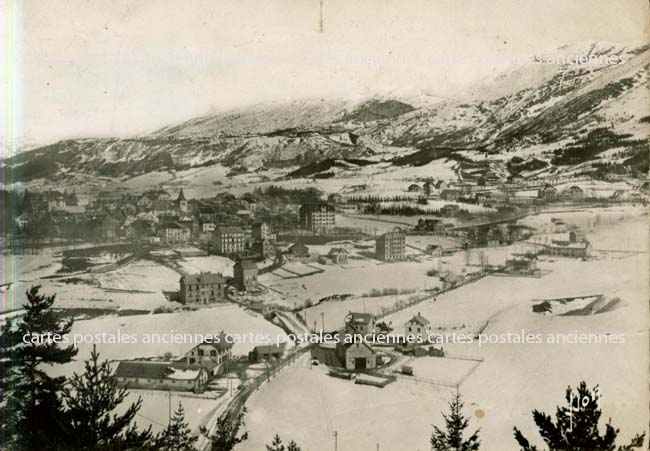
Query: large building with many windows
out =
(229, 240)
(173, 232)
(391, 246)
(318, 217)
(204, 288)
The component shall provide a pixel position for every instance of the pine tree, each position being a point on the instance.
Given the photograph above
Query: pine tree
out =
(276, 444)
(177, 436)
(452, 439)
(90, 403)
(30, 397)
(226, 435)
(576, 426)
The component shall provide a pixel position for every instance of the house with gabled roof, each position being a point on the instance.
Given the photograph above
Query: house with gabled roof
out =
(265, 352)
(213, 354)
(418, 327)
(358, 356)
(360, 323)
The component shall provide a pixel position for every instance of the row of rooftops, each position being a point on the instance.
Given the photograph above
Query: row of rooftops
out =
(367, 318)
(209, 278)
(179, 370)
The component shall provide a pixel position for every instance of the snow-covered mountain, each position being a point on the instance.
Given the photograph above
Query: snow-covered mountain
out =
(577, 106)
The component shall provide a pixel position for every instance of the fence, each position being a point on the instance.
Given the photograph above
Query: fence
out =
(235, 406)
(436, 383)
(172, 393)
(441, 382)
(406, 304)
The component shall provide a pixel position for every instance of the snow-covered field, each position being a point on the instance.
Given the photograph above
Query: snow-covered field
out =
(352, 279)
(138, 285)
(155, 409)
(142, 275)
(168, 332)
(334, 312)
(212, 263)
(513, 380)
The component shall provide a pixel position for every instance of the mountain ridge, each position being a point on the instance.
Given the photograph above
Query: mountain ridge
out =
(549, 106)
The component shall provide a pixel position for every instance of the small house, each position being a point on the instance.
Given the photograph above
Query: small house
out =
(212, 355)
(360, 323)
(358, 356)
(434, 250)
(299, 250)
(450, 210)
(450, 194)
(568, 249)
(338, 255)
(548, 193)
(263, 353)
(418, 328)
(245, 275)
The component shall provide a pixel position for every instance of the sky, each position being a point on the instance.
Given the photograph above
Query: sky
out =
(98, 68)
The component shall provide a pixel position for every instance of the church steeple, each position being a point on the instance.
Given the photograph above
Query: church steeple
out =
(181, 202)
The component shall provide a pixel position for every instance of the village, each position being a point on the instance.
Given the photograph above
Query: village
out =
(396, 270)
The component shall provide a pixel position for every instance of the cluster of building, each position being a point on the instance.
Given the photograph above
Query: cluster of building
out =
(359, 354)
(210, 288)
(576, 246)
(224, 225)
(191, 372)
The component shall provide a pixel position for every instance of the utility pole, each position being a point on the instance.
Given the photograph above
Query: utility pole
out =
(170, 406)
(336, 440)
(322, 317)
(320, 22)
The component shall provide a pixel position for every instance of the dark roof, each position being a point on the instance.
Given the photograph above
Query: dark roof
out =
(207, 209)
(148, 370)
(347, 346)
(359, 318)
(421, 320)
(246, 264)
(267, 349)
(391, 234)
(219, 343)
(203, 278)
(229, 229)
(181, 196)
(317, 206)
